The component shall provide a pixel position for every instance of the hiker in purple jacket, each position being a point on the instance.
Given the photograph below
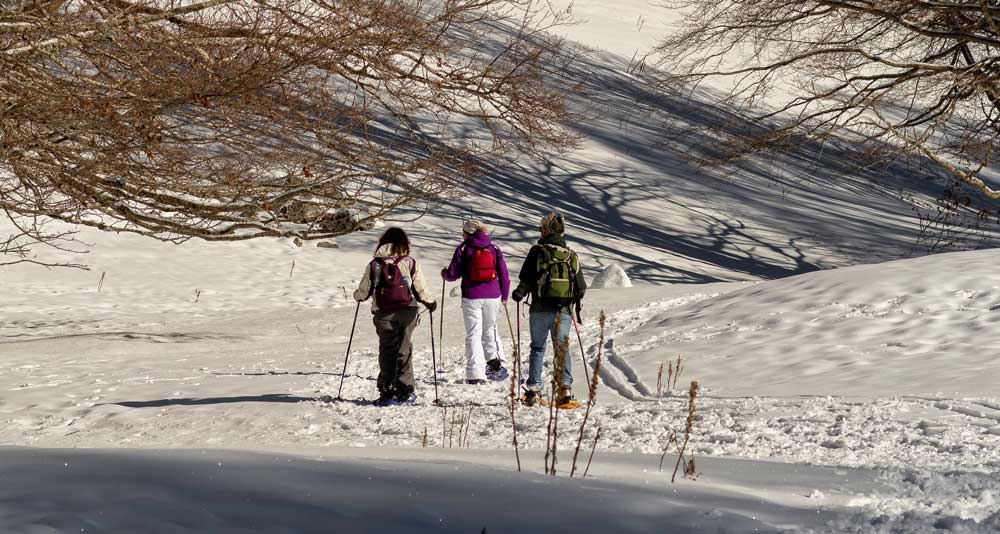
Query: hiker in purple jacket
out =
(480, 265)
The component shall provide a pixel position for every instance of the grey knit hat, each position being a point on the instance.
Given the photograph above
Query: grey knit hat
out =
(471, 226)
(553, 223)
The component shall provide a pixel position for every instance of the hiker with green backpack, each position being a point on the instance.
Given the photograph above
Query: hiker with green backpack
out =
(551, 274)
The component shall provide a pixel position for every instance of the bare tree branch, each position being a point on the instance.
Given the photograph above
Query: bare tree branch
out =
(920, 75)
(230, 120)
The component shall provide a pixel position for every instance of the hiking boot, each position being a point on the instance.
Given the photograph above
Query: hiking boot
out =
(532, 398)
(495, 370)
(405, 396)
(475, 381)
(385, 398)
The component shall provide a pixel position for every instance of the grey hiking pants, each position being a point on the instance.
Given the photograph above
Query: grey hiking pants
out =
(395, 349)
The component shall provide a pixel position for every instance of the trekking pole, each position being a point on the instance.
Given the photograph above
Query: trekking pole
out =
(519, 375)
(440, 326)
(434, 362)
(517, 347)
(350, 341)
(583, 354)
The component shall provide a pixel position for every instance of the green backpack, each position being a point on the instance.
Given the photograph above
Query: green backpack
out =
(557, 268)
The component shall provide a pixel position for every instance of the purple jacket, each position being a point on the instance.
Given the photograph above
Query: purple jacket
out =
(498, 288)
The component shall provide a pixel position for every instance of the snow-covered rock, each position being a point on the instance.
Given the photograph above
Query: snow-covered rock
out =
(612, 276)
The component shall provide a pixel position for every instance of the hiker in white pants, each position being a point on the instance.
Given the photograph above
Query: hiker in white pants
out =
(482, 342)
(485, 284)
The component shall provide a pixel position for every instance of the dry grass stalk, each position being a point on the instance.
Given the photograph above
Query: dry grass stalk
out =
(100, 283)
(424, 441)
(677, 372)
(444, 426)
(559, 369)
(593, 394)
(672, 440)
(659, 381)
(688, 428)
(451, 430)
(468, 425)
(513, 400)
(592, 449)
(552, 404)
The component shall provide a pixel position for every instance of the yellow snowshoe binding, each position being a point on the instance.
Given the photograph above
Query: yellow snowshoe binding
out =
(566, 401)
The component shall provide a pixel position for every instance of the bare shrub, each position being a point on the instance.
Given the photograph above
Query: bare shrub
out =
(680, 443)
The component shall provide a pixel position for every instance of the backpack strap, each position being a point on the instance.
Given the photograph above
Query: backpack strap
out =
(374, 269)
(496, 257)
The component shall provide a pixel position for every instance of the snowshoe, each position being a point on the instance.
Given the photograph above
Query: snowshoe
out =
(475, 381)
(532, 398)
(568, 403)
(495, 370)
(565, 400)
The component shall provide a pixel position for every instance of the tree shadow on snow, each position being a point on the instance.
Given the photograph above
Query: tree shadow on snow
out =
(161, 403)
(648, 201)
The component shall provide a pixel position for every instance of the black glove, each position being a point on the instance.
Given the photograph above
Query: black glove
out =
(517, 296)
(444, 272)
(579, 318)
(431, 306)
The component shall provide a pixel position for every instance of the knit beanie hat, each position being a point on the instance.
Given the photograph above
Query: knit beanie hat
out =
(553, 223)
(471, 226)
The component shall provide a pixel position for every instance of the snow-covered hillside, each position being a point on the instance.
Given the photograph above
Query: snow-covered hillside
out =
(257, 379)
(857, 399)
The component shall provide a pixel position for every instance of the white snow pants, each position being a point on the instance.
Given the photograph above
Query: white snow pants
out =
(482, 341)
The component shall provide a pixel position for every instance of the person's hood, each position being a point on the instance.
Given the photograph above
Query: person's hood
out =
(385, 251)
(479, 240)
(558, 240)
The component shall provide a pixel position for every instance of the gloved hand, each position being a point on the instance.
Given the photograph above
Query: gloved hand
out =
(444, 272)
(517, 296)
(431, 306)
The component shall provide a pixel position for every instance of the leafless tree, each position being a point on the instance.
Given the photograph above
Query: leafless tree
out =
(236, 119)
(898, 77)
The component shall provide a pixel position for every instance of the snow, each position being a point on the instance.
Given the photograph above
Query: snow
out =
(50, 490)
(846, 387)
(613, 276)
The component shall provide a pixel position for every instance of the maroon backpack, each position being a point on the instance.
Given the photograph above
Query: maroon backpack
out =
(392, 289)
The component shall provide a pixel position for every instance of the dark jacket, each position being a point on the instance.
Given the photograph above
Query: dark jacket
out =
(498, 288)
(529, 278)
